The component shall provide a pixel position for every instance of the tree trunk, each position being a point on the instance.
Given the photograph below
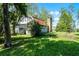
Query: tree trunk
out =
(7, 34)
(14, 24)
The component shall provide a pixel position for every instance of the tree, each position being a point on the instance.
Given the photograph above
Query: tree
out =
(71, 8)
(7, 35)
(16, 12)
(44, 14)
(65, 22)
(14, 17)
(32, 9)
(13, 20)
(77, 17)
(35, 28)
(1, 19)
(71, 11)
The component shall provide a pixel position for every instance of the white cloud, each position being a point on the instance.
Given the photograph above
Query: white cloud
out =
(56, 18)
(51, 12)
(55, 13)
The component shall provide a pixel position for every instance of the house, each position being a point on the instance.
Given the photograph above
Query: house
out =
(47, 25)
(42, 23)
(22, 28)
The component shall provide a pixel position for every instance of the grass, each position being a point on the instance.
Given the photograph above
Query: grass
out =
(42, 46)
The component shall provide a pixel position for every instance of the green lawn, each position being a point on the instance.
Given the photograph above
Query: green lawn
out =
(42, 46)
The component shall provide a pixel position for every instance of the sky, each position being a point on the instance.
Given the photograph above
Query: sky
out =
(54, 9)
(57, 6)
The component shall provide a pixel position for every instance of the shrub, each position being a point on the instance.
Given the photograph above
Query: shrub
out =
(35, 28)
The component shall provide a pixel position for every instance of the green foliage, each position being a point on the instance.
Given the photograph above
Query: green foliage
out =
(34, 28)
(16, 11)
(71, 11)
(22, 8)
(78, 19)
(65, 22)
(44, 14)
(1, 13)
(1, 19)
(32, 9)
(77, 30)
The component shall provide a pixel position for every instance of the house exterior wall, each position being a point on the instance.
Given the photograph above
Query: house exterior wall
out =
(17, 29)
(22, 28)
(44, 29)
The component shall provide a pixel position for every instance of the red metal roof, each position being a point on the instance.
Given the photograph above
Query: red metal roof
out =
(40, 22)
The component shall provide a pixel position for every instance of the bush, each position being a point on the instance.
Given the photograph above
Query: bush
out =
(77, 30)
(34, 28)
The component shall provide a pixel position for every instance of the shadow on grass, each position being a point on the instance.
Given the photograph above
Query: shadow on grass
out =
(77, 33)
(41, 46)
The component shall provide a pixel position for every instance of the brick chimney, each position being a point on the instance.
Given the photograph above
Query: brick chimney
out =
(49, 23)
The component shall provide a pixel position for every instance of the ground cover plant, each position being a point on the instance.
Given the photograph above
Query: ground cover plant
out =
(41, 46)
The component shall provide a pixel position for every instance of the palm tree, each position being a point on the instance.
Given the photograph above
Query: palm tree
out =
(7, 35)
